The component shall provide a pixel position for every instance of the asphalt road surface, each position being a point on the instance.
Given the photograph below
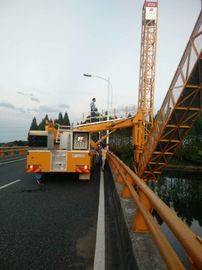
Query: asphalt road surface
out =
(54, 225)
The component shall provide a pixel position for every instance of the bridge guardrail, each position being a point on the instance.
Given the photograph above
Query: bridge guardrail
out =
(146, 201)
(10, 151)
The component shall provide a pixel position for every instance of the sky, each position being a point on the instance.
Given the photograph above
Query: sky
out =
(47, 45)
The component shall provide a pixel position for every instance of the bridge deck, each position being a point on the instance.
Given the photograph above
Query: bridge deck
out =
(53, 226)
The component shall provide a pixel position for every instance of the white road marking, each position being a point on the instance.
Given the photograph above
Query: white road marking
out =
(99, 259)
(16, 181)
(7, 162)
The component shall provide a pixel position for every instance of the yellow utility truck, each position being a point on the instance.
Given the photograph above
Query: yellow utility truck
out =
(61, 151)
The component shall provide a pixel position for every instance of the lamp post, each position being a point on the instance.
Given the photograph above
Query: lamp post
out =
(108, 89)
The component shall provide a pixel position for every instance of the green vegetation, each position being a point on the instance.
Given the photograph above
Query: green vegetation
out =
(189, 152)
(41, 126)
(14, 143)
(191, 148)
(183, 194)
(121, 144)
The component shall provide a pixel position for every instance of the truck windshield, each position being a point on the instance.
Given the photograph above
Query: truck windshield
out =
(37, 141)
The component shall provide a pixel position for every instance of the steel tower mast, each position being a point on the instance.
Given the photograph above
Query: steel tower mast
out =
(146, 74)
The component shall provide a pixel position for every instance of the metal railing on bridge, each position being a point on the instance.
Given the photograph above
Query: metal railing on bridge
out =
(116, 113)
(13, 150)
(147, 200)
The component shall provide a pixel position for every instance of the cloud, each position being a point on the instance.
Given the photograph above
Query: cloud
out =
(21, 93)
(41, 109)
(12, 107)
(7, 105)
(35, 99)
(31, 96)
(64, 106)
(47, 109)
(21, 110)
(50, 109)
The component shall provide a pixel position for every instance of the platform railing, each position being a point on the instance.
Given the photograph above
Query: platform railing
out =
(13, 150)
(115, 113)
(147, 200)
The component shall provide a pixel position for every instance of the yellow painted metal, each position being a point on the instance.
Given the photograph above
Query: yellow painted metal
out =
(147, 221)
(186, 237)
(94, 145)
(138, 131)
(126, 179)
(60, 160)
(104, 137)
(42, 158)
(169, 255)
(106, 125)
(50, 127)
(180, 109)
(139, 224)
(21, 150)
(146, 78)
(77, 158)
(126, 192)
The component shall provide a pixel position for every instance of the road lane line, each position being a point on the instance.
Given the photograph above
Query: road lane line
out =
(16, 181)
(99, 259)
(7, 162)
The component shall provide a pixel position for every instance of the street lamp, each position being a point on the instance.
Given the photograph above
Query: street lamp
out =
(108, 89)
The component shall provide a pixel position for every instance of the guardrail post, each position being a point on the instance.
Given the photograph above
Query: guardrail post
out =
(126, 191)
(116, 170)
(119, 174)
(139, 224)
(119, 178)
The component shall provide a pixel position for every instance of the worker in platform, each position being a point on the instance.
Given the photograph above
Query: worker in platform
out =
(93, 109)
(92, 105)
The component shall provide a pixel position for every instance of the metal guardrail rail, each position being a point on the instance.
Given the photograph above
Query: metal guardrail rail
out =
(10, 151)
(146, 201)
(181, 107)
(114, 113)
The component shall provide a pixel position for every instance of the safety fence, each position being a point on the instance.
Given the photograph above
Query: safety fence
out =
(116, 113)
(13, 150)
(146, 200)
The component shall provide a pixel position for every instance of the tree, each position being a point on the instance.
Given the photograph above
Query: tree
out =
(198, 125)
(66, 120)
(34, 125)
(43, 123)
(60, 119)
